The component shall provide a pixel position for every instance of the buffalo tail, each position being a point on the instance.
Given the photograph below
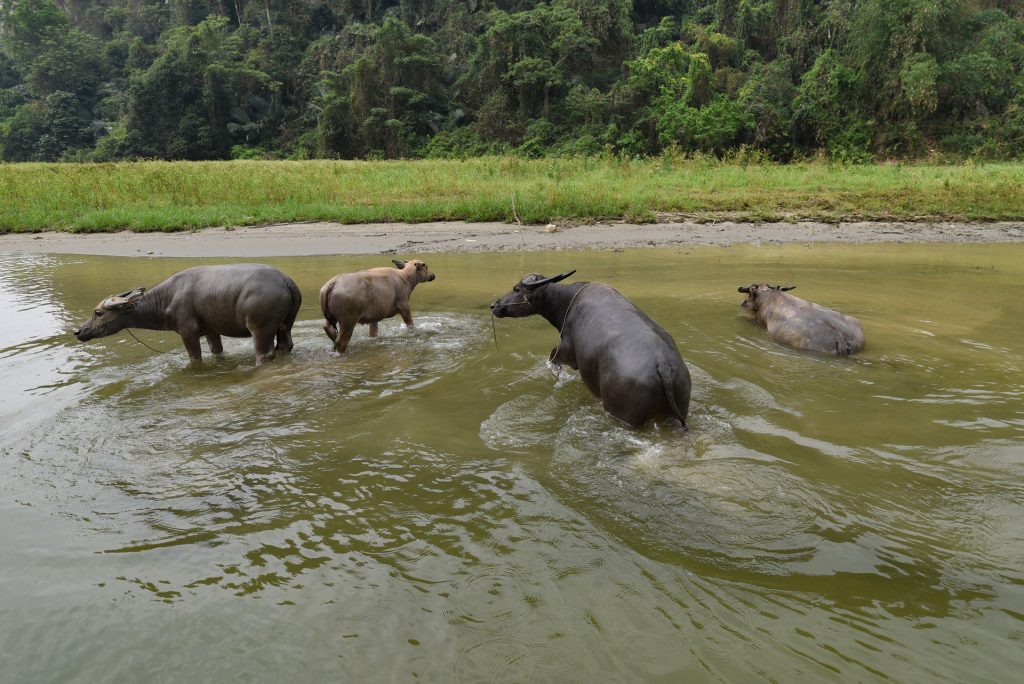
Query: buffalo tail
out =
(296, 295)
(325, 296)
(668, 382)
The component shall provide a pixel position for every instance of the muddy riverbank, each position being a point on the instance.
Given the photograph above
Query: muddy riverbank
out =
(458, 237)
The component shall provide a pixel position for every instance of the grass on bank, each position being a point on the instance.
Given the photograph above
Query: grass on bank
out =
(167, 196)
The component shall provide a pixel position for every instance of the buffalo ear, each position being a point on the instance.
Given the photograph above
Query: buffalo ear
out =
(787, 288)
(533, 285)
(398, 263)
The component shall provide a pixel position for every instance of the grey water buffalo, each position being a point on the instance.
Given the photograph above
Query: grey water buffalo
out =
(369, 296)
(626, 359)
(235, 300)
(799, 323)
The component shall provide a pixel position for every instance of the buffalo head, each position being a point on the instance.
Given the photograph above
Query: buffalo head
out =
(521, 301)
(420, 270)
(750, 304)
(110, 315)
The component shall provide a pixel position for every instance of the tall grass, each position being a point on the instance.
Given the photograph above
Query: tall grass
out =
(149, 196)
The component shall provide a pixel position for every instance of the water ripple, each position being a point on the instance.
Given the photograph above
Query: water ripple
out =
(822, 519)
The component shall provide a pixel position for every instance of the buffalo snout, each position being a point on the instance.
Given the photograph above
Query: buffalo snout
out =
(511, 305)
(86, 332)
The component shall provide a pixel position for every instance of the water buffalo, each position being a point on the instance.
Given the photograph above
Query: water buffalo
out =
(236, 300)
(623, 356)
(369, 297)
(802, 324)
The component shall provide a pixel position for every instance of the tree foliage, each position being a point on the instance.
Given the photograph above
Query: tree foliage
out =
(197, 79)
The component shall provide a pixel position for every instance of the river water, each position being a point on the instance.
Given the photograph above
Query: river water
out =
(437, 505)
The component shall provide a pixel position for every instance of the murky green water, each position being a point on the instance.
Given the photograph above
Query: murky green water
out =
(432, 507)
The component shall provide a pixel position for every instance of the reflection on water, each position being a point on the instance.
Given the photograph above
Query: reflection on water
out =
(437, 503)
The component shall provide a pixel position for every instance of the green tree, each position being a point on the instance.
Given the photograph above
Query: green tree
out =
(387, 101)
(45, 130)
(824, 111)
(199, 97)
(720, 125)
(767, 96)
(26, 26)
(530, 57)
(700, 81)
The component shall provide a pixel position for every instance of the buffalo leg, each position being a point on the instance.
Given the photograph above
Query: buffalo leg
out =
(284, 339)
(634, 416)
(406, 315)
(344, 335)
(373, 329)
(216, 347)
(331, 330)
(195, 352)
(263, 343)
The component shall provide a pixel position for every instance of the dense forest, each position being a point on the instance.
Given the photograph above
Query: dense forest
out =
(852, 80)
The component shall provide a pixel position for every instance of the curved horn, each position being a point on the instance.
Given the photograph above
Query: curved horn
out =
(125, 300)
(745, 289)
(786, 288)
(533, 285)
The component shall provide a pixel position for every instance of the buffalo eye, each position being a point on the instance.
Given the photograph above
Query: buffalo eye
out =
(98, 312)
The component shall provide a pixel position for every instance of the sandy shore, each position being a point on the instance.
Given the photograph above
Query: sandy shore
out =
(389, 238)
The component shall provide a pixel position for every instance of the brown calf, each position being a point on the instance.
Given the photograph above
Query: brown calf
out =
(369, 297)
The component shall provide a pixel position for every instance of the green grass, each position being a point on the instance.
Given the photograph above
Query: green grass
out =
(167, 196)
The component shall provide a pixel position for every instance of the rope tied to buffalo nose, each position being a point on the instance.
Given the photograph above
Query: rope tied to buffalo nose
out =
(494, 329)
(569, 308)
(494, 326)
(127, 330)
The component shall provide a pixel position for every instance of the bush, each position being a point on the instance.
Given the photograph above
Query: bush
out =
(721, 125)
(249, 152)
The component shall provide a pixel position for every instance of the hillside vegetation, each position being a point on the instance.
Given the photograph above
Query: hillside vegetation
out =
(851, 80)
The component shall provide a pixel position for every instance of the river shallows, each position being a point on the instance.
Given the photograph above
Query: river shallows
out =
(431, 506)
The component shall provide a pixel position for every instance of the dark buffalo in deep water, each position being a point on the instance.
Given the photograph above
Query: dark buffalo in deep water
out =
(802, 324)
(369, 297)
(235, 300)
(623, 356)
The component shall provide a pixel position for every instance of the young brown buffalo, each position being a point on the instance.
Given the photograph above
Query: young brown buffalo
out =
(369, 297)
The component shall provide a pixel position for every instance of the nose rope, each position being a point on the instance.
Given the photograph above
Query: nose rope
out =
(530, 375)
(494, 328)
(569, 308)
(128, 330)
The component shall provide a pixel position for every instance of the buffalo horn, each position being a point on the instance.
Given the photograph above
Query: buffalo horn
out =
(745, 289)
(534, 284)
(787, 288)
(123, 300)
